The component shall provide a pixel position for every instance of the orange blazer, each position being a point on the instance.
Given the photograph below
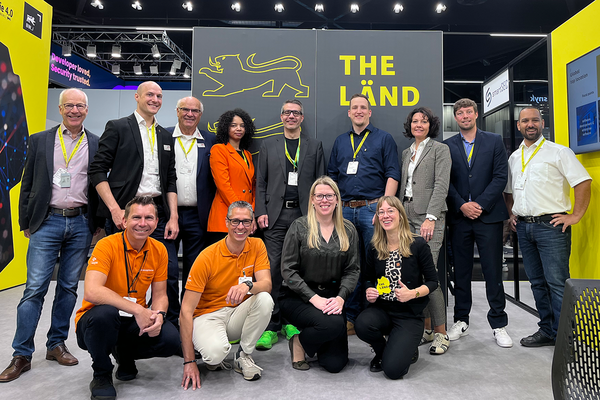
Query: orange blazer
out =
(234, 180)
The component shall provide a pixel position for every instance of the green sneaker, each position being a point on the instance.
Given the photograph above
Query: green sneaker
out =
(267, 340)
(289, 330)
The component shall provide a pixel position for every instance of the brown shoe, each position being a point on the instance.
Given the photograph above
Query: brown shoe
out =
(61, 354)
(350, 328)
(18, 365)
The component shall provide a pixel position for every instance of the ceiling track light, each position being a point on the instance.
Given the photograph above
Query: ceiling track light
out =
(155, 52)
(154, 69)
(279, 7)
(440, 8)
(354, 8)
(137, 69)
(66, 50)
(136, 5)
(115, 69)
(177, 63)
(188, 6)
(187, 73)
(398, 8)
(236, 6)
(91, 51)
(116, 51)
(319, 7)
(97, 4)
(173, 70)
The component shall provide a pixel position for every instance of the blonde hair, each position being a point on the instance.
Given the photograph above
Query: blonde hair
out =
(405, 236)
(338, 219)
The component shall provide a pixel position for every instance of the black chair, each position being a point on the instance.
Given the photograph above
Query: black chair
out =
(576, 362)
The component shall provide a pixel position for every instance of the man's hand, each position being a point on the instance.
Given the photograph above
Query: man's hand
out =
(427, 228)
(404, 294)
(319, 302)
(154, 329)
(191, 375)
(372, 294)
(263, 221)
(565, 219)
(512, 222)
(26, 233)
(144, 319)
(118, 216)
(471, 210)
(236, 294)
(172, 229)
(334, 305)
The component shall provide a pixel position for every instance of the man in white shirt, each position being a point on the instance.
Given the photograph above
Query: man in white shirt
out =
(541, 174)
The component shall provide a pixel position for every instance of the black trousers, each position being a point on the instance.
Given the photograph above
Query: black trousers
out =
(321, 334)
(101, 330)
(404, 335)
(193, 237)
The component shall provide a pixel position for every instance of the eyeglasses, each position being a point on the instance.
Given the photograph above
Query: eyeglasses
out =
(194, 111)
(294, 112)
(329, 196)
(390, 212)
(236, 222)
(70, 106)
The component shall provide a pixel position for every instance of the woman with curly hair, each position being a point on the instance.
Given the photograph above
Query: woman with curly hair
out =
(232, 168)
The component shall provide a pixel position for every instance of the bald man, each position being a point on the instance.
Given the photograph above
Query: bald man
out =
(139, 154)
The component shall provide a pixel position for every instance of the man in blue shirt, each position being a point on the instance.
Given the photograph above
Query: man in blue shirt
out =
(364, 164)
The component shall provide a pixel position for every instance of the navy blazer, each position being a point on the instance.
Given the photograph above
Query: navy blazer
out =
(205, 184)
(36, 185)
(484, 180)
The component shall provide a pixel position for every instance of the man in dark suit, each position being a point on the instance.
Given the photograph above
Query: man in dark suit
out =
(139, 155)
(287, 167)
(55, 212)
(476, 212)
(195, 184)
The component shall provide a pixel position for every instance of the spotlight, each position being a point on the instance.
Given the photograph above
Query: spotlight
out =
(97, 4)
(398, 8)
(115, 69)
(116, 51)
(439, 8)
(187, 72)
(173, 70)
(137, 69)
(319, 7)
(136, 5)
(188, 6)
(154, 69)
(155, 52)
(279, 7)
(66, 50)
(236, 7)
(177, 63)
(91, 51)
(354, 8)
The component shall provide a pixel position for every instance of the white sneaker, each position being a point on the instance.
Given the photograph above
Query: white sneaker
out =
(244, 364)
(427, 337)
(440, 344)
(223, 365)
(459, 329)
(502, 337)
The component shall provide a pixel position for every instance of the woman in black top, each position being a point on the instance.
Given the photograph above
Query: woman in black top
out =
(399, 275)
(320, 268)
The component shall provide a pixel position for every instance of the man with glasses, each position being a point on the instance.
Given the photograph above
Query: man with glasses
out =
(195, 184)
(139, 155)
(56, 210)
(287, 167)
(226, 299)
(364, 164)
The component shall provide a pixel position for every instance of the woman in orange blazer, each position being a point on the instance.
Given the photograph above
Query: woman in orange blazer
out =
(232, 168)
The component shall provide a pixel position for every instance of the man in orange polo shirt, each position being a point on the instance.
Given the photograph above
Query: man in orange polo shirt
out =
(226, 298)
(114, 317)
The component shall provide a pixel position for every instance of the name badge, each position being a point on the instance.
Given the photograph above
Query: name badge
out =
(124, 313)
(167, 147)
(201, 145)
(153, 167)
(243, 279)
(352, 168)
(520, 182)
(65, 180)
(293, 179)
(186, 168)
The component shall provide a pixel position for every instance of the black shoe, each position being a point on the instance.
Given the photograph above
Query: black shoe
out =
(375, 365)
(415, 356)
(538, 339)
(102, 388)
(126, 372)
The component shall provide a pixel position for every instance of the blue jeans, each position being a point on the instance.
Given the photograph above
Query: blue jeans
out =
(362, 218)
(546, 251)
(71, 237)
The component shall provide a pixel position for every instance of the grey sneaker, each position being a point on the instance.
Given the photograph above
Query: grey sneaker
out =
(245, 365)
(223, 365)
(440, 344)
(460, 328)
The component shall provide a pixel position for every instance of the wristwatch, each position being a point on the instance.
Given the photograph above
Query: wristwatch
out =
(417, 294)
(250, 284)
(164, 314)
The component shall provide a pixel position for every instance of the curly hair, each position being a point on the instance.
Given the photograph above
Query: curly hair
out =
(434, 122)
(225, 121)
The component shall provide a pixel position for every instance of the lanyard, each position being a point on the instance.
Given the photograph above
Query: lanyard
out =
(244, 157)
(64, 149)
(295, 160)
(359, 146)
(523, 163)
(186, 152)
(135, 278)
(470, 154)
(151, 138)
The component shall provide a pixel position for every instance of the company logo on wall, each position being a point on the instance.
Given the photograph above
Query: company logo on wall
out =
(268, 78)
(6, 12)
(496, 92)
(32, 20)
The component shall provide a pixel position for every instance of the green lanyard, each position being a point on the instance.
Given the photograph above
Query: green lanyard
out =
(64, 149)
(295, 160)
(523, 163)
(186, 152)
(151, 138)
(359, 146)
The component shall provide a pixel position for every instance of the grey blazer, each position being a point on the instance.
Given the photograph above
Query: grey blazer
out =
(430, 179)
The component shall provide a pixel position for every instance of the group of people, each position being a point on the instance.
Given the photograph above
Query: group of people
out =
(349, 247)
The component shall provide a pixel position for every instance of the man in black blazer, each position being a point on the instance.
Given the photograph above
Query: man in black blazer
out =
(139, 155)
(56, 210)
(476, 211)
(195, 185)
(288, 165)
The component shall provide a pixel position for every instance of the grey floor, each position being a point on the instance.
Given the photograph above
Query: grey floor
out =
(474, 368)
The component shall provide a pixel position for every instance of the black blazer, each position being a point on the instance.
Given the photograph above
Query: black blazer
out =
(36, 185)
(120, 152)
(205, 184)
(272, 174)
(485, 179)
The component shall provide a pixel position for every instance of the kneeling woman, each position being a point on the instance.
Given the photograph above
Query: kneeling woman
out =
(320, 268)
(399, 275)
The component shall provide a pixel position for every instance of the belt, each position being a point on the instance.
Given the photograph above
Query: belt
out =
(407, 199)
(291, 204)
(537, 220)
(69, 212)
(358, 203)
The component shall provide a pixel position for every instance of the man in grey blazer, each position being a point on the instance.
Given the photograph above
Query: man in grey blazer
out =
(288, 165)
(56, 212)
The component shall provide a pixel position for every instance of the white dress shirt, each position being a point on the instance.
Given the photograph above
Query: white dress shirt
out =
(150, 182)
(186, 166)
